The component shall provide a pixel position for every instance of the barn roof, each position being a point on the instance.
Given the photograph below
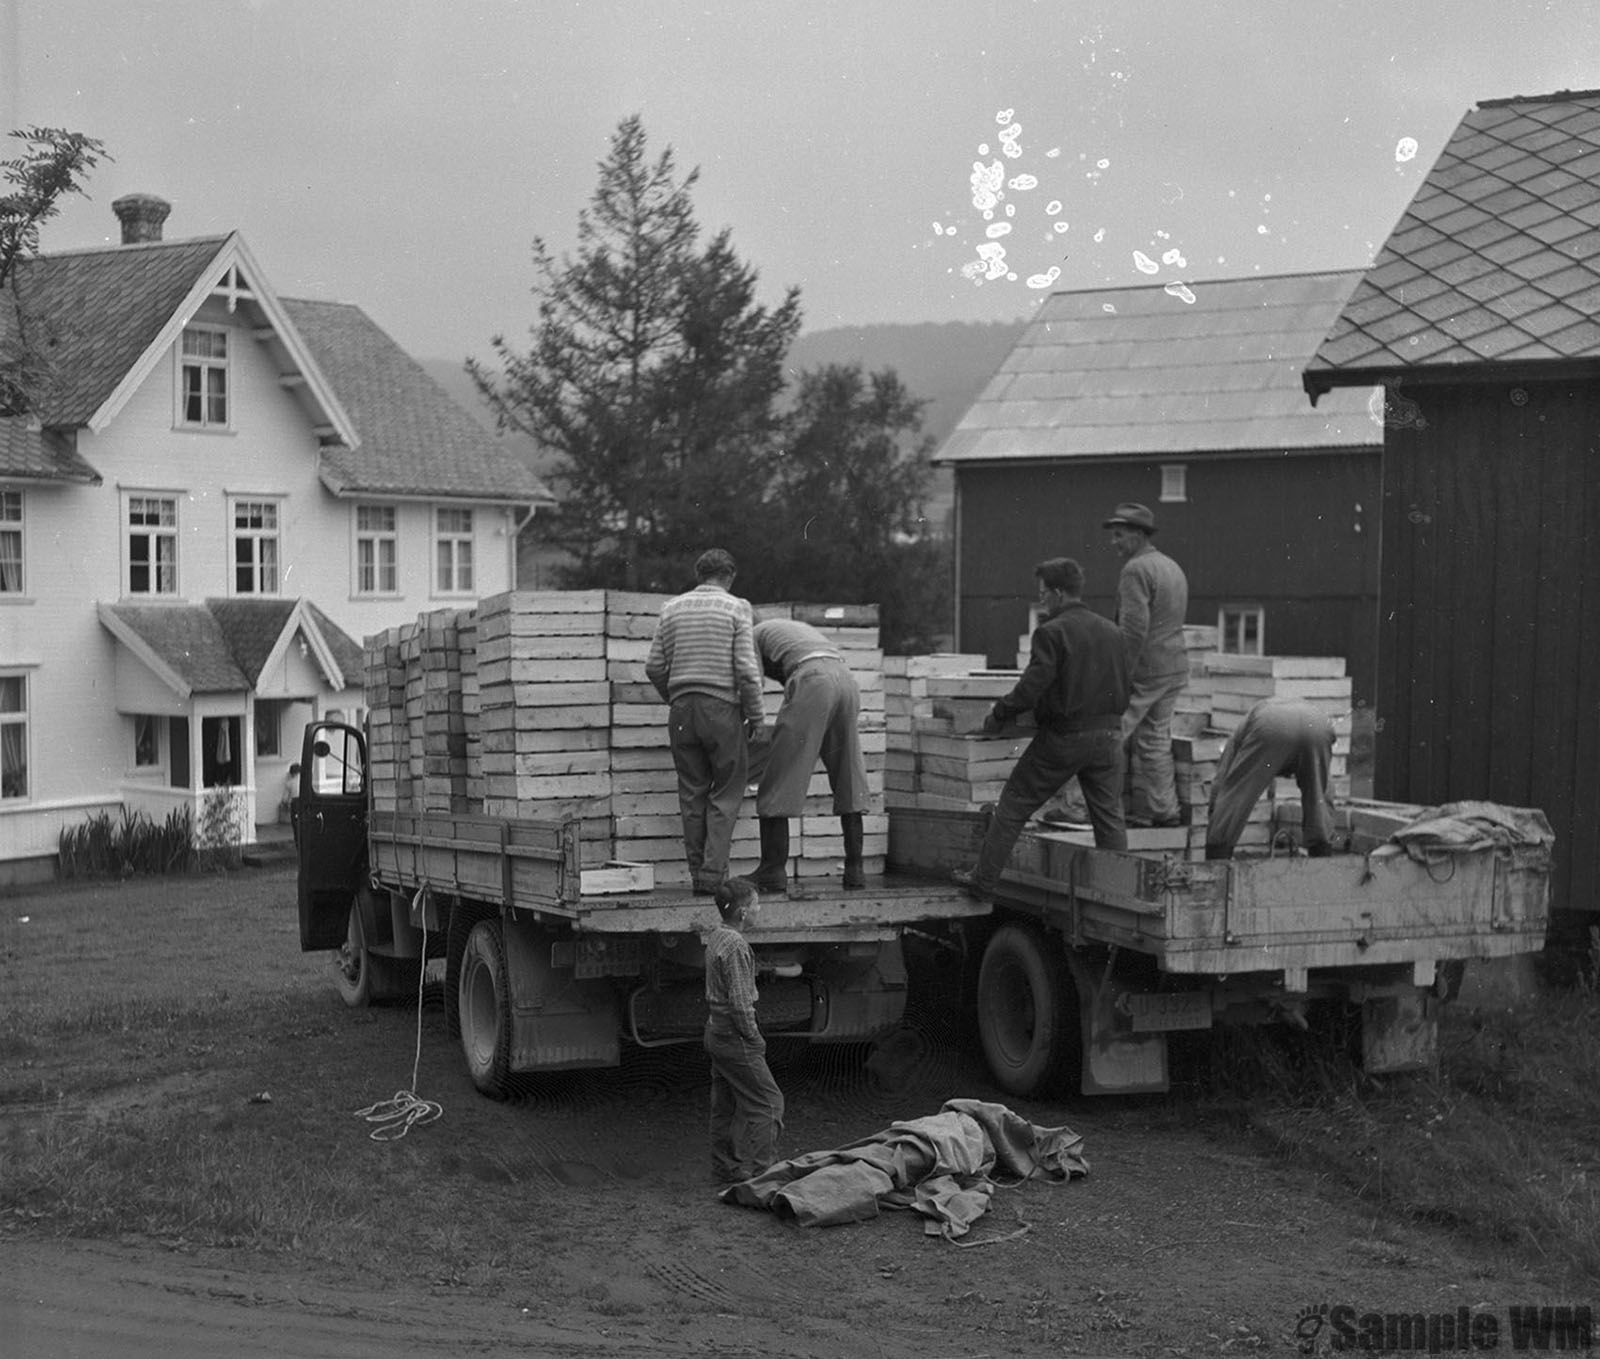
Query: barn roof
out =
(1497, 259)
(1166, 370)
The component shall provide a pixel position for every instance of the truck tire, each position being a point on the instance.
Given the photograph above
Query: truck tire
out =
(1027, 1012)
(484, 1009)
(365, 978)
(455, 948)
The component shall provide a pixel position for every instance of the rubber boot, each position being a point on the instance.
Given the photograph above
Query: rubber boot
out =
(773, 874)
(855, 873)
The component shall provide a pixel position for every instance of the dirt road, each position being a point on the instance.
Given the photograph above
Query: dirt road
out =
(578, 1219)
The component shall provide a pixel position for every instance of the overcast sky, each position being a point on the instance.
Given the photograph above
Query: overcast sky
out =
(402, 154)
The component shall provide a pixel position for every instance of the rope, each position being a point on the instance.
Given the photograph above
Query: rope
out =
(406, 1109)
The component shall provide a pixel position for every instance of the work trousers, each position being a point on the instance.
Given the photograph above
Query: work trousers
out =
(1293, 742)
(1053, 757)
(707, 739)
(1147, 734)
(818, 718)
(746, 1105)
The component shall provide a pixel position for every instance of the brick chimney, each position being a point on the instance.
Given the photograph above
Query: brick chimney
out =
(141, 215)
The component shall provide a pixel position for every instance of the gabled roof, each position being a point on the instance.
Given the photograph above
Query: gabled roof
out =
(1497, 259)
(224, 645)
(1144, 370)
(107, 316)
(30, 453)
(97, 311)
(415, 439)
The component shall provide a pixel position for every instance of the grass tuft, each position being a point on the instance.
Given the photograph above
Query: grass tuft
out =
(1497, 1144)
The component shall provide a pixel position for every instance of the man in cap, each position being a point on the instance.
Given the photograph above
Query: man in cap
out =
(1280, 738)
(703, 664)
(1152, 599)
(821, 703)
(1076, 686)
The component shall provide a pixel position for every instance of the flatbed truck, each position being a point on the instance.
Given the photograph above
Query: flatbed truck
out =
(542, 975)
(1076, 973)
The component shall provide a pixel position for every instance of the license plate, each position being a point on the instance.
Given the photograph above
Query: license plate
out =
(1164, 1010)
(601, 955)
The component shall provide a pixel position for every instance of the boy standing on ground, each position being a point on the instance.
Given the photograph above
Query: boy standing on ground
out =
(746, 1104)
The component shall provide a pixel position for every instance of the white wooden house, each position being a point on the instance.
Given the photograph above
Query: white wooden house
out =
(219, 493)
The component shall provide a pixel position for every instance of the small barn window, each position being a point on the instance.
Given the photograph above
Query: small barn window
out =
(1242, 629)
(1174, 482)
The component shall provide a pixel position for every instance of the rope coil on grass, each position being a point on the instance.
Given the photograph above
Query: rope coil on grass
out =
(406, 1109)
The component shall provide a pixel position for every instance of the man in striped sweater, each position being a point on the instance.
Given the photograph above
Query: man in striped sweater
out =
(703, 663)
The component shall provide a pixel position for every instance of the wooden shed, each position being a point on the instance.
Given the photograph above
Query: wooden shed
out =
(1478, 315)
(1189, 400)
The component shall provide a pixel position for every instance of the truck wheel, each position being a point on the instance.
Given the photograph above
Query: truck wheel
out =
(365, 978)
(484, 1008)
(1027, 1011)
(455, 949)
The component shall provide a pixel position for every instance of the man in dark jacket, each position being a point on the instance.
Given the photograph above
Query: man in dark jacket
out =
(1076, 686)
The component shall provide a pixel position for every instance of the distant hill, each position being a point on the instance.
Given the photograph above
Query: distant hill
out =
(945, 364)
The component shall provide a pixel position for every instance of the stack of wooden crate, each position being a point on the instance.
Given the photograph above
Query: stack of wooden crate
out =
(535, 706)
(647, 827)
(545, 711)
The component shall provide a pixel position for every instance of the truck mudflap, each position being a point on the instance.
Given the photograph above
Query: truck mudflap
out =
(1125, 1031)
(559, 1021)
(1399, 1032)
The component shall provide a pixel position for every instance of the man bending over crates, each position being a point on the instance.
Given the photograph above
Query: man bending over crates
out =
(1076, 684)
(821, 704)
(1280, 738)
(703, 664)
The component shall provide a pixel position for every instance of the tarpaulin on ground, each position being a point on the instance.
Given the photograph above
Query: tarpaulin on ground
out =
(944, 1166)
(1468, 826)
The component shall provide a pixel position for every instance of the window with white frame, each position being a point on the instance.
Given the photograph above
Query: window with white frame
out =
(255, 547)
(1174, 481)
(453, 552)
(152, 528)
(1242, 629)
(13, 737)
(269, 725)
(11, 577)
(146, 740)
(377, 550)
(203, 378)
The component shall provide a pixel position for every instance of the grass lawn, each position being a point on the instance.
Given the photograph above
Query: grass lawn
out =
(172, 1065)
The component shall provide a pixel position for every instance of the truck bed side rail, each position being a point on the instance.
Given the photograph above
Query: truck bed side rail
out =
(530, 864)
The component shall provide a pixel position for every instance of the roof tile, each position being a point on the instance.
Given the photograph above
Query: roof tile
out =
(415, 439)
(1221, 374)
(1515, 195)
(99, 310)
(1547, 321)
(30, 453)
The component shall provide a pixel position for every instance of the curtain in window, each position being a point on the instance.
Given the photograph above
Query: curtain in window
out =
(13, 761)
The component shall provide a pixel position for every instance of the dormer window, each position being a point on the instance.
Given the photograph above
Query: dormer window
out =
(203, 379)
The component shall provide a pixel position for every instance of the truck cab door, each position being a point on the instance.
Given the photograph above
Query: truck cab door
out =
(329, 818)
